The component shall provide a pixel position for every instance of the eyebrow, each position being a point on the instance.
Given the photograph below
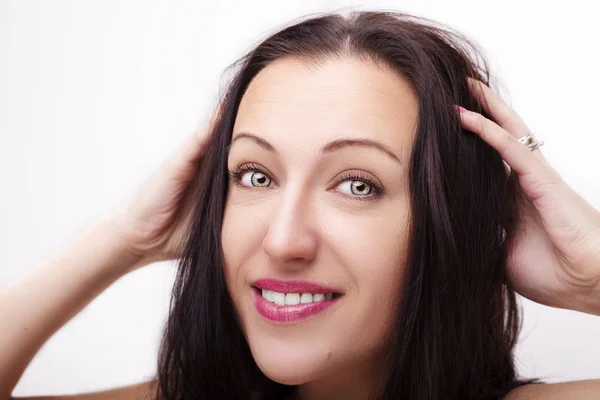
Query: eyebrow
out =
(328, 148)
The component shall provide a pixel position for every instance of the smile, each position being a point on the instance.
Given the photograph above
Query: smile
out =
(291, 307)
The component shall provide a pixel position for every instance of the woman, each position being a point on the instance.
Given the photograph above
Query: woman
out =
(342, 231)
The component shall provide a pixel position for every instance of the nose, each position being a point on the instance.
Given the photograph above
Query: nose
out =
(291, 238)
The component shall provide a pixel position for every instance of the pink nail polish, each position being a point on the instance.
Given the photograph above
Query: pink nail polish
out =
(461, 109)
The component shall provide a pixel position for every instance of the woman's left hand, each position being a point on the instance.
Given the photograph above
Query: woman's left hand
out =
(555, 257)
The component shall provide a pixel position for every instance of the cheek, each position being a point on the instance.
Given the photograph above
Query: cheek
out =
(236, 233)
(241, 240)
(373, 251)
(373, 247)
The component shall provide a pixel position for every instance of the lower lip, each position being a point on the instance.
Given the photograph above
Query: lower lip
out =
(285, 314)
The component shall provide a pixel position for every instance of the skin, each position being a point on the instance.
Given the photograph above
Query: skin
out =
(304, 223)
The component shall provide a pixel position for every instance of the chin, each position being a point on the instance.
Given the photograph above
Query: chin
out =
(291, 364)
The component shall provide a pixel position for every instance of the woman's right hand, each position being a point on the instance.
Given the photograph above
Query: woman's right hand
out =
(154, 220)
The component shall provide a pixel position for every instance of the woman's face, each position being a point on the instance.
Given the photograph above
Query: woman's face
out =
(322, 199)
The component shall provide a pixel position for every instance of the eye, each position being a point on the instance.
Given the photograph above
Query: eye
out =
(255, 178)
(359, 186)
(250, 175)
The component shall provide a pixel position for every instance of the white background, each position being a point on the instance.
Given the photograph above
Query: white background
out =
(94, 95)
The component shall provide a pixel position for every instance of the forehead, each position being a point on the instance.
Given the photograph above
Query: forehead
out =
(291, 102)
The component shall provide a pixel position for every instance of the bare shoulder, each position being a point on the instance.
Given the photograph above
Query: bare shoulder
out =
(576, 390)
(139, 391)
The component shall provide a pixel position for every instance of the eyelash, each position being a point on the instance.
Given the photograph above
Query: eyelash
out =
(376, 190)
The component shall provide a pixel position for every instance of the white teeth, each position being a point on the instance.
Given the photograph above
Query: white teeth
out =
(306, 298)
(290, 299)
(318, 297)
(268, 294)
(279, 298)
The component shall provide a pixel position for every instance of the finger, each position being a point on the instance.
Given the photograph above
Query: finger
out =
(517, 155)
(504, 115)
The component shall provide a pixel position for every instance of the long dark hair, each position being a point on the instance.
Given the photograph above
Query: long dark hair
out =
(459, 321)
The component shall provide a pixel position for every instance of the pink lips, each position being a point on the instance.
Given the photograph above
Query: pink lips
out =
(290, 313)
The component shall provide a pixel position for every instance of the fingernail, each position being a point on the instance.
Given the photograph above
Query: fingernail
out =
(459, 108)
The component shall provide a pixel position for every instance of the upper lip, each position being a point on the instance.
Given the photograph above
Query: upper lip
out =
(293, 286)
